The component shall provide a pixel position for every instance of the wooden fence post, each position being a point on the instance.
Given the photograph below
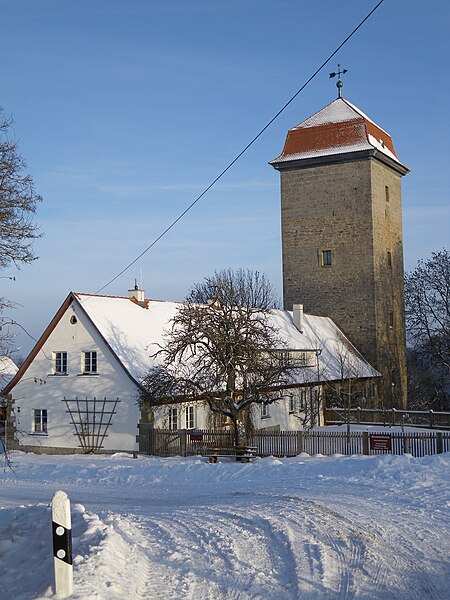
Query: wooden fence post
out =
(365, 442)
(393, 411)
(183, 440)
(439, 443)
(299, 442)
(151, 441)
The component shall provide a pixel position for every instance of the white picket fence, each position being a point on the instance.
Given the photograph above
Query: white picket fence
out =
(164, 442)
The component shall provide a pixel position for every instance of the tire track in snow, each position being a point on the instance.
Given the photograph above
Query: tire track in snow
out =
(383, 559)
(186, 553)
(148, 569)
(331, 552)
(273, 542)
(279, 547)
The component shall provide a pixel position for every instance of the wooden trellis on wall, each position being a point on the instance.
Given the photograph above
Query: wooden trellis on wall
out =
(91, 418)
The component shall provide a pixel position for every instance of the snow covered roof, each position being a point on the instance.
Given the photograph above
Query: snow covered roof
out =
(8, 369)
(133, 333)
(337, 129)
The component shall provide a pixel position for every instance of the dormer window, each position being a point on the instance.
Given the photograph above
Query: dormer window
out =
(295, 358)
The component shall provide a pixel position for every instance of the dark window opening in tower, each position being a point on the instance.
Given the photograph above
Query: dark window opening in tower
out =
(326, 258)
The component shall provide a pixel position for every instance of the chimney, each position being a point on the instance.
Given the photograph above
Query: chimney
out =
(137, 294)
(297, 314)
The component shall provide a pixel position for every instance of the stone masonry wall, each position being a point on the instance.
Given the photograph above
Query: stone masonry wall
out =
(389, 278)
(342, 207)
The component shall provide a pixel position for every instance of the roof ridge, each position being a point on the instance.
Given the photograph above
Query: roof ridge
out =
(311, 118)
(363, 115)
(123, 297)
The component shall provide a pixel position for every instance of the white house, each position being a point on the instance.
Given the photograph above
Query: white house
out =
(8, 369)
(79, 386)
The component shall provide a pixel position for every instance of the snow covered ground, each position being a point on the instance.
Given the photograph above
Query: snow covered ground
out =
(306, 527)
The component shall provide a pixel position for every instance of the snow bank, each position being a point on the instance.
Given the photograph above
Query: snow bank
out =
(309, 527)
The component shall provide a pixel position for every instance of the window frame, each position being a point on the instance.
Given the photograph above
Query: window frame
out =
(294, 358)
(326, 258)
(292, 403)
(39, 421)
(189, 417)
(391, 319)
(173, 419)
(302, 401)
(389, 259)
(61, 357)
(89, 358)
(265, 413)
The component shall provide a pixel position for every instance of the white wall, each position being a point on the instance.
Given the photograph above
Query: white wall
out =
(162, 420)
(111, 382)
(278, 414)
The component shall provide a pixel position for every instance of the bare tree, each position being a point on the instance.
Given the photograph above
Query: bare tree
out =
(350, 388)
(18, 201)
(219, 350)
(428, 386)
(427, 308)
(427, 311)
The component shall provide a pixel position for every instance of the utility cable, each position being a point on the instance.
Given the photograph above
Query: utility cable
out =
(228, 167)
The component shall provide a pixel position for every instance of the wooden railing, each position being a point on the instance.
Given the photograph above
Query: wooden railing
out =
(164, 442)
(388, 417)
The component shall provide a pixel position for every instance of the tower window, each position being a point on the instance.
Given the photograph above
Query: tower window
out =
(386, 192)
(389, 259)
(326, 258)
(391, 318)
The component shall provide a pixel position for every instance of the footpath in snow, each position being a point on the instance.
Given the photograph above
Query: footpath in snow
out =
(299, 528)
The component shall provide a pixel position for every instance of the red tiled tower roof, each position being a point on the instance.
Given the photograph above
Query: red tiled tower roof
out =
(337, 129)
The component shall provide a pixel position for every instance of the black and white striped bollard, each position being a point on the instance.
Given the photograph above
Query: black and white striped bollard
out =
(62, 544)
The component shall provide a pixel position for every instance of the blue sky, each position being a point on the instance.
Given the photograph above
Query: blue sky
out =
(126, 111)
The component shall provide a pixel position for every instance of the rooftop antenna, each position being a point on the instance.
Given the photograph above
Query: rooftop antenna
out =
(339, 83)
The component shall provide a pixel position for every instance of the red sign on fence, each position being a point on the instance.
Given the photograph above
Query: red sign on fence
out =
(196, 437)
(380, 441)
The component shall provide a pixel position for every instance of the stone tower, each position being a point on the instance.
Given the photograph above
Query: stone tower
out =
(341, 219)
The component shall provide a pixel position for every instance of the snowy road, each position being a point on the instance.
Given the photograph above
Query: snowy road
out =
(180, 528)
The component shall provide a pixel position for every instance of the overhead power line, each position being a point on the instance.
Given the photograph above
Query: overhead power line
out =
(228, 167)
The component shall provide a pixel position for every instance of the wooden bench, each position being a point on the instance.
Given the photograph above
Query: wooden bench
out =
(241, 453)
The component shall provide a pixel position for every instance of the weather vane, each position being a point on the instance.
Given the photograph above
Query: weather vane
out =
(339, 83)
